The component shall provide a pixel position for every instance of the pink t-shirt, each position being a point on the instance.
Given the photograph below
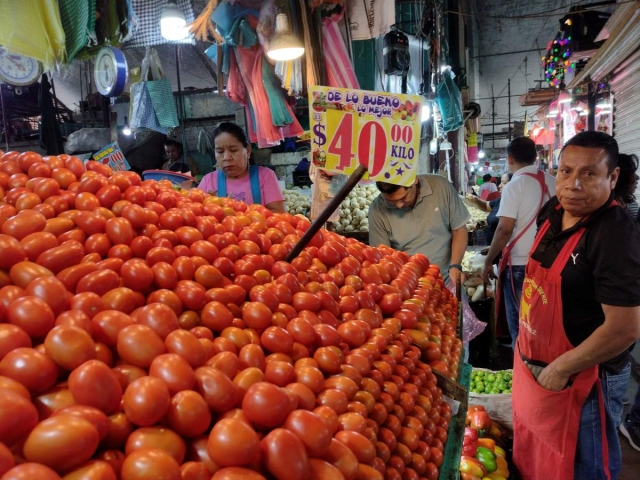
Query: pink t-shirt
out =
(241, 189)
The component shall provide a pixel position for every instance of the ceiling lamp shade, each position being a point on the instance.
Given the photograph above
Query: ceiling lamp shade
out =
(173, 23)
(284, 45)
(564, 97)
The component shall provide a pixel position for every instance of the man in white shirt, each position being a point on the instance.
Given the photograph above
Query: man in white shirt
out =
(487, 187)
(522, 198)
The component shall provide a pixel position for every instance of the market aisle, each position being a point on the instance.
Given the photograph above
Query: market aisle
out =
(630, 457)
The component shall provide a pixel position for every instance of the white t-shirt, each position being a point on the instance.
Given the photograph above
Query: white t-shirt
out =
(520, 200)
(486, 189)
(370, 18)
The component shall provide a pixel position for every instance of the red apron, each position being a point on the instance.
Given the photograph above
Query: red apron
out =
(505, 260)
(546, 423)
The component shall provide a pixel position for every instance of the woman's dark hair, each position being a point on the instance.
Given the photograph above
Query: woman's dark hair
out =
(626, 185)
(231, 129)
(173, 143)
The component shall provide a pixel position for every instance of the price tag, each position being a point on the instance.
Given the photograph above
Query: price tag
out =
(112, 155)
(376, 129)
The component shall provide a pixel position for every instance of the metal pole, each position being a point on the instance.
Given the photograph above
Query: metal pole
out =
(509, 95)
(4, 122)
(493, 118)
(591, 106)
(181, 107)
(352, 181)
(81, 95)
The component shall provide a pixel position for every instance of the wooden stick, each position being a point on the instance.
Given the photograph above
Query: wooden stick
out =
(352, 181)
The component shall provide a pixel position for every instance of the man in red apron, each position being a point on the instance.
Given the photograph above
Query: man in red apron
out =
(521, 200)
(579, 315)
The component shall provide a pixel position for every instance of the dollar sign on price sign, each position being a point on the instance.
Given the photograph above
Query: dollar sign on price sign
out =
(320, 138)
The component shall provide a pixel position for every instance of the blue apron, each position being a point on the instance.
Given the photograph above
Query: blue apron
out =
(254, 180)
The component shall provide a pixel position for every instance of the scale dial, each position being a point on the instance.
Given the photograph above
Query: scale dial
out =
(110, 72)
(18, 70)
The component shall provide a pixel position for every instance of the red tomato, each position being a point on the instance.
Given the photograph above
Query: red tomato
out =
(216, 388)
(284, 455)
(311, 429)
(18, 416)
(233, 442)
(27, 471)
(33, 369)
(139, 345)
(69, 346)
(174, 370)
(157, 438)
(146, 401)
(94, 384)
(188, 414)
(150, 463)
(61, 442)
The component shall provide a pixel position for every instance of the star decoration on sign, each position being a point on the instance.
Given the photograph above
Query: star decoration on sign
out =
(399, 171)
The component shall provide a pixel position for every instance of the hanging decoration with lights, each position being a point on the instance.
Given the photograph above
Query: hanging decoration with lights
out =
(556, 62)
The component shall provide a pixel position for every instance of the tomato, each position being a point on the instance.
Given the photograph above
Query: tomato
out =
(174, 370)
(188, 414)
(12, 337)
(161, 318)
(277, 339)
(34, 370)
(256, 315)
(146, 400)
(99, 282)
(284, 455)
(139, 345)
(148, 463)
(341, 457)
(18, 416)
(157, 437)
(94, 384)
(27, 471)
(186, 345)
(322, 470)
(311, 429)
(61, 442)
(233, 442)
(69, 346)
(24, 223)
(119, 230)
(195, 471)
(216, 388)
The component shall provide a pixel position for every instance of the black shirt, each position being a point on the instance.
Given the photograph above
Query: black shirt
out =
(606, 269)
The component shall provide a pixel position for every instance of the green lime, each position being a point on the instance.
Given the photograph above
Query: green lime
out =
(480, 387)
(491, 378)
(508, 390)
(501, 385)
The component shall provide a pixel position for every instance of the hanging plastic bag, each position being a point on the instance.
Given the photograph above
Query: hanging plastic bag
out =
(450, 102)
(153, 105)
(471, 326)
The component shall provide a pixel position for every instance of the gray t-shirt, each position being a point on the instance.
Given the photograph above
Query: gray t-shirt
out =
(427, 227)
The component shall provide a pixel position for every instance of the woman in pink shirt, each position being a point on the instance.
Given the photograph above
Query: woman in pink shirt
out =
(235, 178)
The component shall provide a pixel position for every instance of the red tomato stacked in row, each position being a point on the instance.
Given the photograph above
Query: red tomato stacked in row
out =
(148, 333)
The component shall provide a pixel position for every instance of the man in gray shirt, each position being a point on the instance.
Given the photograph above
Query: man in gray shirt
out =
(429, 218)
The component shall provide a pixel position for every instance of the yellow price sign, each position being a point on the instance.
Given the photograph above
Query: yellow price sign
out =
(376, 129)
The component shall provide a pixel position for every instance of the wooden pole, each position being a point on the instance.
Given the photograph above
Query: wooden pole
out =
(350, 184)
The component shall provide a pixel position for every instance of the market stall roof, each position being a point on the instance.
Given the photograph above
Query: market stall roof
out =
(623, 29)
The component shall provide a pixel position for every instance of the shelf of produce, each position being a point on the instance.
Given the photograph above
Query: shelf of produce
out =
(453, 448)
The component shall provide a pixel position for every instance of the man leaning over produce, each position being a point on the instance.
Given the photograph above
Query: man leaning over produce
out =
(579, 315)
(429, 217)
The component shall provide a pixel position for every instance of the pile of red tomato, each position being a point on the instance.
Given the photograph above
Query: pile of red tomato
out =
(152, 334)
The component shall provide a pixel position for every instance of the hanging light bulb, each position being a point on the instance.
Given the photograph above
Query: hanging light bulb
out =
(284, 45)
(126, 130)
(481, 154)
(172, 22)
(425, 113)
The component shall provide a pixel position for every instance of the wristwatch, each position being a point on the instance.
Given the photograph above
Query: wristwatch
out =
(455, 265)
